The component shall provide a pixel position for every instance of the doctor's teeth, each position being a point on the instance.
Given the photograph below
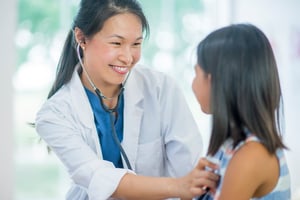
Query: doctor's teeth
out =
(120, 68)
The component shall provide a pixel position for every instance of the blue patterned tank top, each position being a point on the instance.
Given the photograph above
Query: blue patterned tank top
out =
(282, 190)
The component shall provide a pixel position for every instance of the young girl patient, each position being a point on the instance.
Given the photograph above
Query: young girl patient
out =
(237, 82)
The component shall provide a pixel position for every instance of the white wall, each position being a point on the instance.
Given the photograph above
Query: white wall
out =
(7, 55)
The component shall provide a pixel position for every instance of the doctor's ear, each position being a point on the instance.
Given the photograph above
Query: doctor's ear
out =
(79, 36)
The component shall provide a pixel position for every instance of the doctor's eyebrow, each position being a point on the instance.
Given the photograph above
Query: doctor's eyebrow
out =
(123, 38)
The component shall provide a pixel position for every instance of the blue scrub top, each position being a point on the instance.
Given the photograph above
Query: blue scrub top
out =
(110, 150)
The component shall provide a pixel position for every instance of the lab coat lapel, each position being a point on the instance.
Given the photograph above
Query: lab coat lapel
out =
(133, 112)
(85, 113)
(80, 101)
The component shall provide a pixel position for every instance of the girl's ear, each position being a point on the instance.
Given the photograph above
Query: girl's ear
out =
(209, 77)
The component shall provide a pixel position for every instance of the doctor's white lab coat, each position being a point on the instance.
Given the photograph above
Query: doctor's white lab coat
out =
(160, 138)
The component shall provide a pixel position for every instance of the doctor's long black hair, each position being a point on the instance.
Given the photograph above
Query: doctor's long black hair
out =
(90, 19)
(245, 86)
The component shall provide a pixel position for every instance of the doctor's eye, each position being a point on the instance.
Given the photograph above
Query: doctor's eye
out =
(116, 43)
(137, 44)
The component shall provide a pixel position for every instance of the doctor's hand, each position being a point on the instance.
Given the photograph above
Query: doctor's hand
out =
(199, 180)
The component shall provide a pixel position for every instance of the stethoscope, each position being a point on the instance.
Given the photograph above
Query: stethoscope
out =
(216, 159)
(111, 111)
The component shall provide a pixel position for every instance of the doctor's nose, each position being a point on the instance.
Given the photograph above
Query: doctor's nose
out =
(126, 56)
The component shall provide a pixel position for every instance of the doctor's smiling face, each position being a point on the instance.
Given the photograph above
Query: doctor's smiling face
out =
(110, 53)
(201, 87)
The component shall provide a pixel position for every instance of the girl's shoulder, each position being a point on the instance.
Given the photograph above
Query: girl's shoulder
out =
(251, 163)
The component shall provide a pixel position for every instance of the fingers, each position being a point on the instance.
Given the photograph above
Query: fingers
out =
(198, 191)
(205, 177)
(203, 174)
(205, 163)
(203, 186)
(200, 179)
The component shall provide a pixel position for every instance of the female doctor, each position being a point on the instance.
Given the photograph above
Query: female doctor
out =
(121, 131)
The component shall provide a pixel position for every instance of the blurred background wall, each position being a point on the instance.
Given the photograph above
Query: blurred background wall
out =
(8, 14)
(32, 34)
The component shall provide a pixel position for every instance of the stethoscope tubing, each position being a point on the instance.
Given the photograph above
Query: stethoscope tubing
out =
(112, 112)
